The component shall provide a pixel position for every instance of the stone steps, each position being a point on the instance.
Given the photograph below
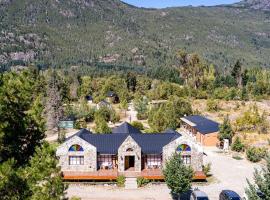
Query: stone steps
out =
(131, 183)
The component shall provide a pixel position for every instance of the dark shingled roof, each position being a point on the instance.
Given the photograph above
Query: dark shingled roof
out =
(109, 143)
(152, 143)
(126, 129)
(203, 124)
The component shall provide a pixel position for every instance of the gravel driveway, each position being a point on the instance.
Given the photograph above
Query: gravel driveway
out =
(229, 174)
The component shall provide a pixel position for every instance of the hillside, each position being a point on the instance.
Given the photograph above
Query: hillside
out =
(65, 33)
(256, 4)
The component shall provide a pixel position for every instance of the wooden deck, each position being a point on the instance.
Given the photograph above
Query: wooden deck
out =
(153, 174)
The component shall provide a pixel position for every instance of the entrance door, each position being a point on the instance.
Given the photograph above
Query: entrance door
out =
(129, 162)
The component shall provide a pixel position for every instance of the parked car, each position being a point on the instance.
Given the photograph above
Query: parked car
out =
(229, 195)
(198, 195)
(259, 193)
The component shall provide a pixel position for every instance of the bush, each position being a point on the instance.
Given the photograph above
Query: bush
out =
(178, 176)
(237, 158)
(207, 169)
(237, 145)
(255, 154)
(121, 181)
(212, 105)
(79, 124)
(137, 125)
(75, 198)
(141, 181)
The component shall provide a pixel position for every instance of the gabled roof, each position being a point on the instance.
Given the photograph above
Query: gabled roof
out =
(126, 129)
(202, 124)
(109, 143)
(153, 143)
(106, 143)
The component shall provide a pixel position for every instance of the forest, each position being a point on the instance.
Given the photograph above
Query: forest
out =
(35, 100)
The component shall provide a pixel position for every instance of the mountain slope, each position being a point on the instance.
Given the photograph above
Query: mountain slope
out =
(75, 32)
(256, 4)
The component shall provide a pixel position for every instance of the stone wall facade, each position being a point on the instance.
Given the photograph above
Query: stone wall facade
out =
(129, 148)
(196, 152)
(89, 152)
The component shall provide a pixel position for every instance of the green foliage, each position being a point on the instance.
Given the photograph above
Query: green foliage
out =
(207, 169)
(85, 86)
(262, 182)
(225, 130)
(44, 175)
(178, 176)
(75, 198)
(121, 181)
(237, 145)
(252, 120)
(212, 105)
(102, 126)
(255, 154)
(141, 181)
(168, 115)
(141, 106)
(91, 25)
(21, 124)
(12, 185)
(137, 125)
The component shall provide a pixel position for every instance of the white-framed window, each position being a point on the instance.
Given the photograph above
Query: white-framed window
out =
(186, 159)
(105, 161)
(153, 161)
(76, 160)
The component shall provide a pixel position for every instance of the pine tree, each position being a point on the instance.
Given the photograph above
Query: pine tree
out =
(237, 73)
(225, 130)
(102, 126)
(262, 183)
(44, 175)
(178, 176)
(12, 185)
(237, 145)
(53, 109)
(21, 124)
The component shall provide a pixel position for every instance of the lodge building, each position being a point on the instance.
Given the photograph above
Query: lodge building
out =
(127, 151)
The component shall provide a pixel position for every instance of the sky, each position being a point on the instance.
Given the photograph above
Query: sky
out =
(173, 3)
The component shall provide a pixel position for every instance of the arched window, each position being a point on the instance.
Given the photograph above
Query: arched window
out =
(183, 147)
(129, 149)
(75, 147)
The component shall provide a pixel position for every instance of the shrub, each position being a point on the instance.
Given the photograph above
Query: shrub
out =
(207, 169)
(75, 198)
(178, 176)
(79, 124)
(137, 125)
(237, 158)
(212, 105)
(141, 181)
(121, 181)
(237, 145)
(255, 154)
